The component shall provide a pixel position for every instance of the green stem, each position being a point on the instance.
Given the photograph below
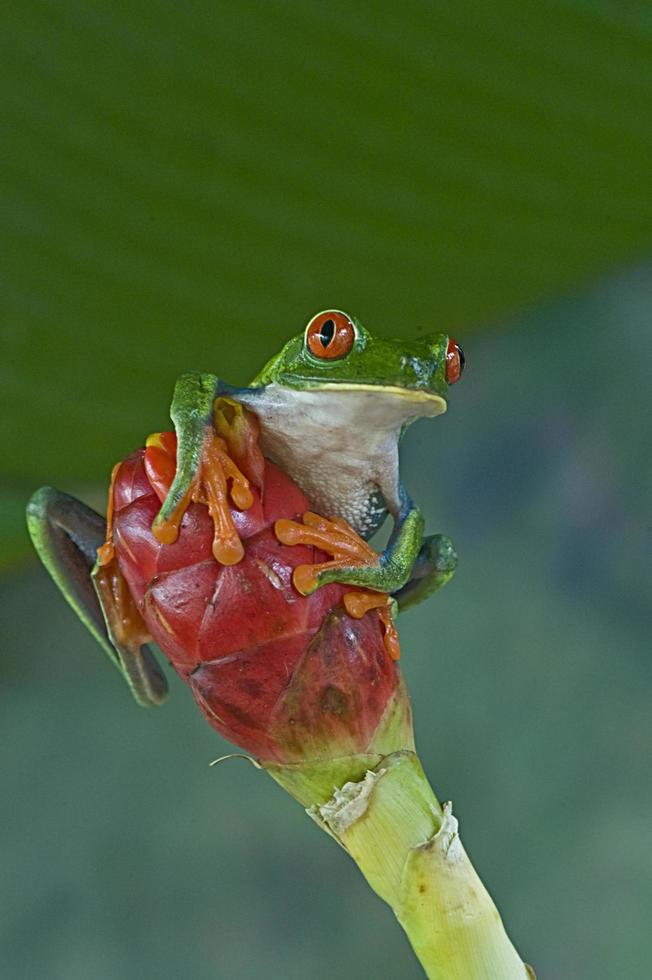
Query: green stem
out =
(408, 848)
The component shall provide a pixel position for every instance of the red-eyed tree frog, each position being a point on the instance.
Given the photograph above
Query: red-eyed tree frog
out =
(332, 407)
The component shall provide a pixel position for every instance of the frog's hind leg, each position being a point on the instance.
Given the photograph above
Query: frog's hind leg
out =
(66, 534)
(434, 567)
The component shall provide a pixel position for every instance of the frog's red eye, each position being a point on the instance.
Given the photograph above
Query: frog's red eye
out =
(330, 335)
(454, 361)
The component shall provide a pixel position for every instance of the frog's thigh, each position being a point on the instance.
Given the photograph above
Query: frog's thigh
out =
(66, 534)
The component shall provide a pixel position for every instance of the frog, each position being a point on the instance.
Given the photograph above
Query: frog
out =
(332, 407)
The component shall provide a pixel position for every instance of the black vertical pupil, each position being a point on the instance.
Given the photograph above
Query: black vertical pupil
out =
(460, 354)
(327, 332)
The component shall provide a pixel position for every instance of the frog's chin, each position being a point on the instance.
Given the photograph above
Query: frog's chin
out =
(425, 403)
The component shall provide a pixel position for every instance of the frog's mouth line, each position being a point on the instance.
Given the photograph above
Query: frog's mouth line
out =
(414, 395)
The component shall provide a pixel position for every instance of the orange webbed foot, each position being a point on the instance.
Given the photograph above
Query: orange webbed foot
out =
(349, 550)
(357, 604)
(208, 486)
(334, 536)
(218, 479)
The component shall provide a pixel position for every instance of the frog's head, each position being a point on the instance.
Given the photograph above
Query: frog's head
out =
(336, 353)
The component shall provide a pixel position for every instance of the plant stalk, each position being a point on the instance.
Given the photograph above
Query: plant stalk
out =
(408, 848)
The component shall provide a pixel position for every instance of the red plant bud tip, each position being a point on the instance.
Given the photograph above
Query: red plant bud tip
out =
(287, 677)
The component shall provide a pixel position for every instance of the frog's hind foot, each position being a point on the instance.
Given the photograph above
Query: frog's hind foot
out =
(67, 536)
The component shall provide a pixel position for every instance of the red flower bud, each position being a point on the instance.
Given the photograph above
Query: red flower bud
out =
(289, 678)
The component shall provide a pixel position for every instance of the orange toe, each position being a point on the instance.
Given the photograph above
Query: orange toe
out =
(218, 483)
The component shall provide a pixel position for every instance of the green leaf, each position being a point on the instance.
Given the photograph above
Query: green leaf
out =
(184, 184)
(14, 546)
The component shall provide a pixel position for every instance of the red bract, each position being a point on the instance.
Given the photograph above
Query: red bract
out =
(289, 678)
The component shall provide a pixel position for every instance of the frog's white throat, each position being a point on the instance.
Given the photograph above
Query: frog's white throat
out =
(339, 442)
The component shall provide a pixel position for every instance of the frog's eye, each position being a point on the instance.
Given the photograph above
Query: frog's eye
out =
(330, 335)
(454, 361)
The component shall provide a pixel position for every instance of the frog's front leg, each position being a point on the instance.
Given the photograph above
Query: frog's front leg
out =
(354, 562)
(192, 414)
(215, 444)
(67, 535)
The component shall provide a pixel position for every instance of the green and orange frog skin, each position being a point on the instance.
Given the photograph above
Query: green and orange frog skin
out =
(331, 409)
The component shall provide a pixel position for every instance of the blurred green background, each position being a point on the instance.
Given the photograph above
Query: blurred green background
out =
(182, 186)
